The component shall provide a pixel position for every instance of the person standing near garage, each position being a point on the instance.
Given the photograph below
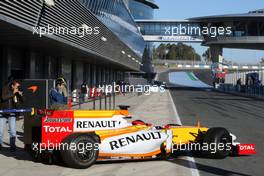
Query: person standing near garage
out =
(12, 98)
(84, 92)
(59, 95)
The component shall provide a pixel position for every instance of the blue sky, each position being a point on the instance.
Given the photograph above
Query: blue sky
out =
(182, 9)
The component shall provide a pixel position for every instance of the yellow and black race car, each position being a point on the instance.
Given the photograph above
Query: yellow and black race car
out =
(82, 137)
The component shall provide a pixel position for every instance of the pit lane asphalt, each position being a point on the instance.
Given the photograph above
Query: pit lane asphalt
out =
(242, 116)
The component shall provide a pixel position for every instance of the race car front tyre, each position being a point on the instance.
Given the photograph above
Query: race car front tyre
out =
(219, 143)
(83, 153)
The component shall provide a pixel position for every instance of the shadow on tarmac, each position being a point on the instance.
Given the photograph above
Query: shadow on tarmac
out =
(21, 154)
(206, 168)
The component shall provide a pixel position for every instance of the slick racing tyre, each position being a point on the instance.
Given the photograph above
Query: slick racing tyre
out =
(80, 157)
(219, 143)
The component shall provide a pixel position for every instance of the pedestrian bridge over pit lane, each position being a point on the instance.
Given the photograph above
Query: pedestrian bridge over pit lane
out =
(241, 31)
(170, 31)
(217, 32)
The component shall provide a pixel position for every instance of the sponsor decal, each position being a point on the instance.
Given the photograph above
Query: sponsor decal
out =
(125, 141)
(52, 129)
(97, 124)
(246, 149)
(58, 120)
(56, 126)
(92, 124)
(33, 88)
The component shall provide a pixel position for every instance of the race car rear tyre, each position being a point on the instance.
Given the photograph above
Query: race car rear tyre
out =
(219, 143)
(83, 157)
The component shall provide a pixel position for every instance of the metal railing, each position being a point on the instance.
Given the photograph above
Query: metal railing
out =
(15, 110)
(189, 64)
(98, 101)
(232, 78)
(254, 91)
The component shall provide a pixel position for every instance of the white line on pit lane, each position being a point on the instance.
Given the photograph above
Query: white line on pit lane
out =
(191, 160)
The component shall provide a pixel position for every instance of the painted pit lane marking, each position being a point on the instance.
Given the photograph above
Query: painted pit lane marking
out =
(191, 160)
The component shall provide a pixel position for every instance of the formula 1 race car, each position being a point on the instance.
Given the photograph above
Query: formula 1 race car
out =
(83, 137)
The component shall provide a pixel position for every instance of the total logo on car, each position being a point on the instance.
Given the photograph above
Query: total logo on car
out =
(51, 129)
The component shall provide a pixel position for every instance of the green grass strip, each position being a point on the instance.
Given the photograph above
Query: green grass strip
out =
(191, 76)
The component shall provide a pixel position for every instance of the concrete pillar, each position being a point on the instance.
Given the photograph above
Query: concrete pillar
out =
(99, 75)
(48, 67)
(5, 66)
(93, 68)
(65, 69)
(216, 52)
(103, 75)
(78, 70)
(32, 65)
(262, 77)
(87, 74)
(114, 75)
(53, 67)
(118, 76)
(123, 75)
(111, 75)
(1, 68)
(106, 75)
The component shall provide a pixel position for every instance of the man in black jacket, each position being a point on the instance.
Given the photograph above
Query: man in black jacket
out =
(12, 97)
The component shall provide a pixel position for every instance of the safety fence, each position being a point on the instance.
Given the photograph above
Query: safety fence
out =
(249, 83)
(232, 78)
(253, 91)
